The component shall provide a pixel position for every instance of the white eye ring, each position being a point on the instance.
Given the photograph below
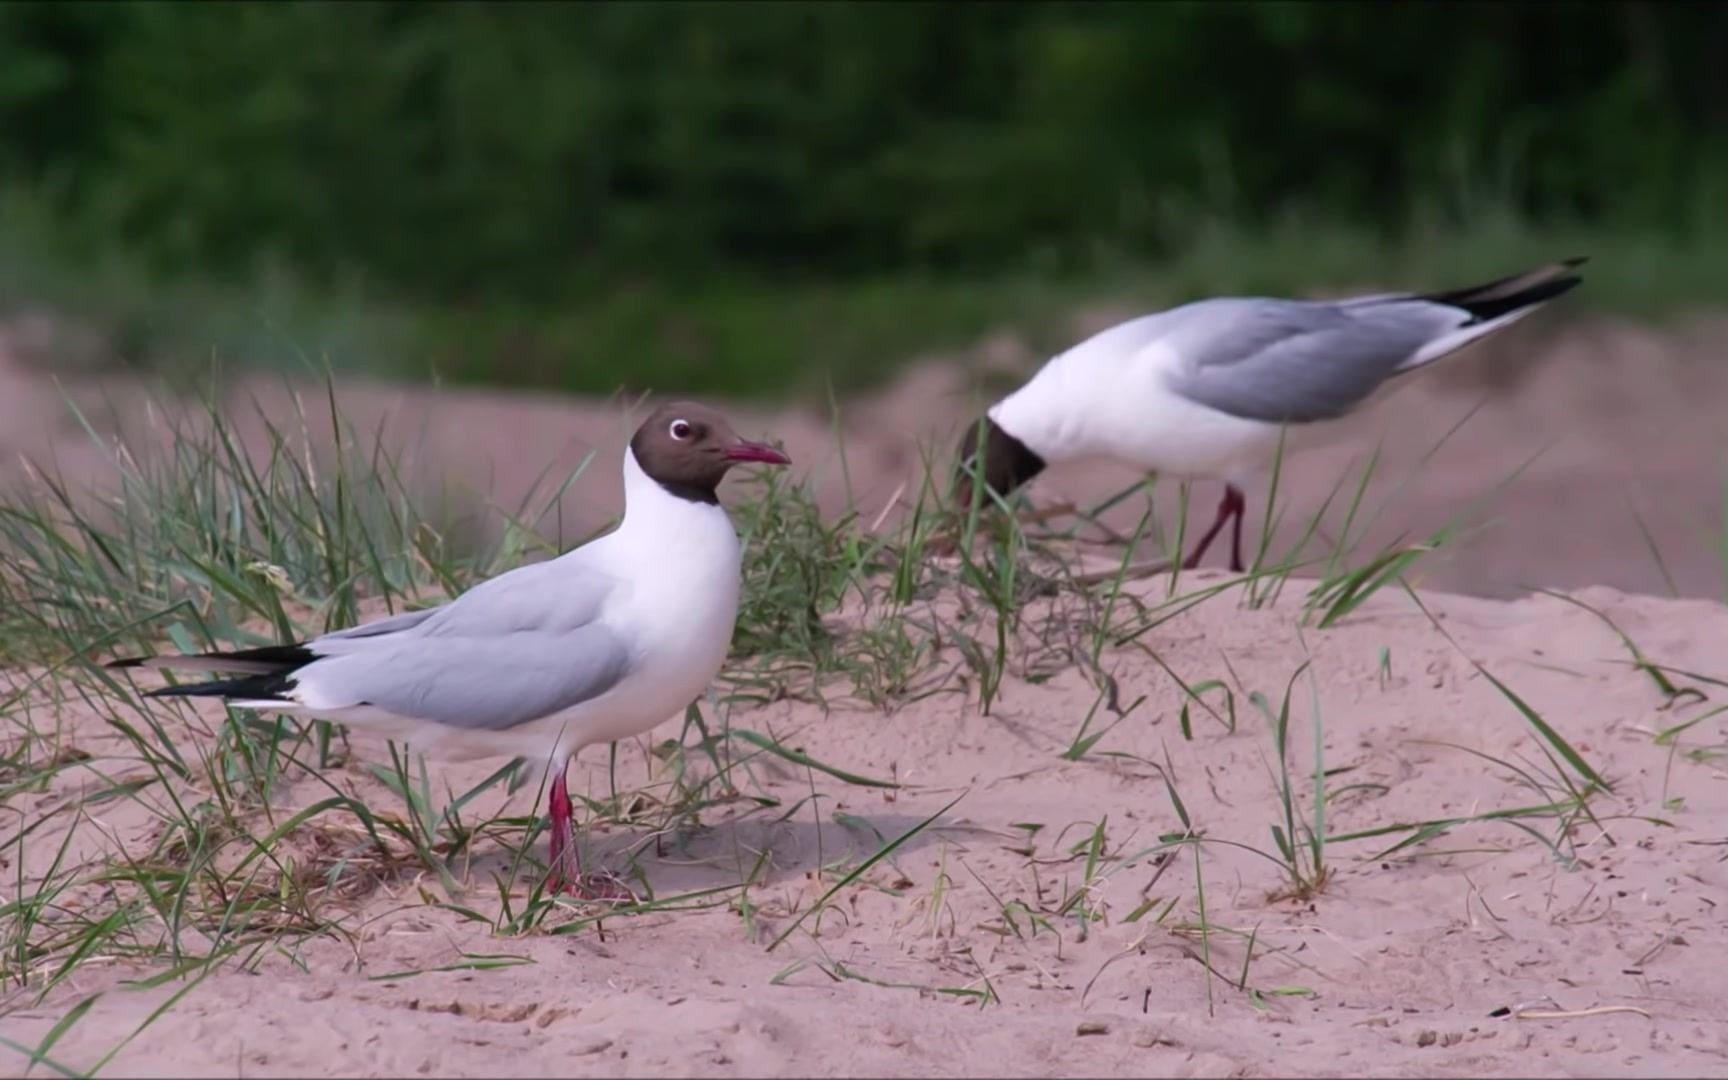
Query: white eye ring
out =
(680, 430)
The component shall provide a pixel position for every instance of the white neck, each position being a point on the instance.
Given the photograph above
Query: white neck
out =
(668, 547)
(1070, 408)
(650, 511)
(681, 560)
(1040, 415)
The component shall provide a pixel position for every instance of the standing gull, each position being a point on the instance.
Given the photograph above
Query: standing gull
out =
(597, 645)
(1205, 389)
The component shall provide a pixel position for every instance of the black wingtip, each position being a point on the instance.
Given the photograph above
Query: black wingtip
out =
(194, 690)
(1493, 308)
(250, 687)
(271, 672)
(1509, 294)
(285, 657)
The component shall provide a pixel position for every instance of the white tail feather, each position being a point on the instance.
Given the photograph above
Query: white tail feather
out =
(265, 705)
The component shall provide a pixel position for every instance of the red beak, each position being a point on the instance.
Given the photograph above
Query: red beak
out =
(749, 451)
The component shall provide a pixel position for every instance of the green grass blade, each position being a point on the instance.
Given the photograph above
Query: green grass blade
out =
(881, 853)
(764, 743)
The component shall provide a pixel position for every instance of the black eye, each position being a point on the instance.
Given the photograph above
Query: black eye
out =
(680, 430)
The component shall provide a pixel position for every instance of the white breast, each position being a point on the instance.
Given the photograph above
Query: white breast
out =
(677, 563)
(1100, 401)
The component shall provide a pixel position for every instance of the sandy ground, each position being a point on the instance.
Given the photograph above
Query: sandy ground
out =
(1398, 966)
(1401, 961)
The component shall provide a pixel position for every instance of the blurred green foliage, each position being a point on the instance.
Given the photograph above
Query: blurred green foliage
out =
(498, 162)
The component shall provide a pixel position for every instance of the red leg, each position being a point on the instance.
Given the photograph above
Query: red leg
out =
(564, 865)
(1236, 530)
(1232, 506)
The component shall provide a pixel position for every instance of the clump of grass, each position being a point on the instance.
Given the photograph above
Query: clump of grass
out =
(218, 537)
(222, 533)
(800, 568)
(1301, 843)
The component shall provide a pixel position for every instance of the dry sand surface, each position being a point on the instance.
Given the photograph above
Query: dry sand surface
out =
(1600, 932)
(1397, 967)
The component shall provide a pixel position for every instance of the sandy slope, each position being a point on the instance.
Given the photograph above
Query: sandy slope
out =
(1406, 957)
(1612, 421)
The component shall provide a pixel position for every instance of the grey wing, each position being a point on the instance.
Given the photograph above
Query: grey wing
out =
(491, 683)
(556, 596)
(548, 597)
(1291, 361)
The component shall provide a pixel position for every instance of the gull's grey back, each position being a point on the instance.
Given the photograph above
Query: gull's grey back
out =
(1294, 361)
(518, 647)
(558, 595)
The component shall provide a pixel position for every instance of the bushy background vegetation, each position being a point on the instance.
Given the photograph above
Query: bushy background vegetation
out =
(718, 194)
